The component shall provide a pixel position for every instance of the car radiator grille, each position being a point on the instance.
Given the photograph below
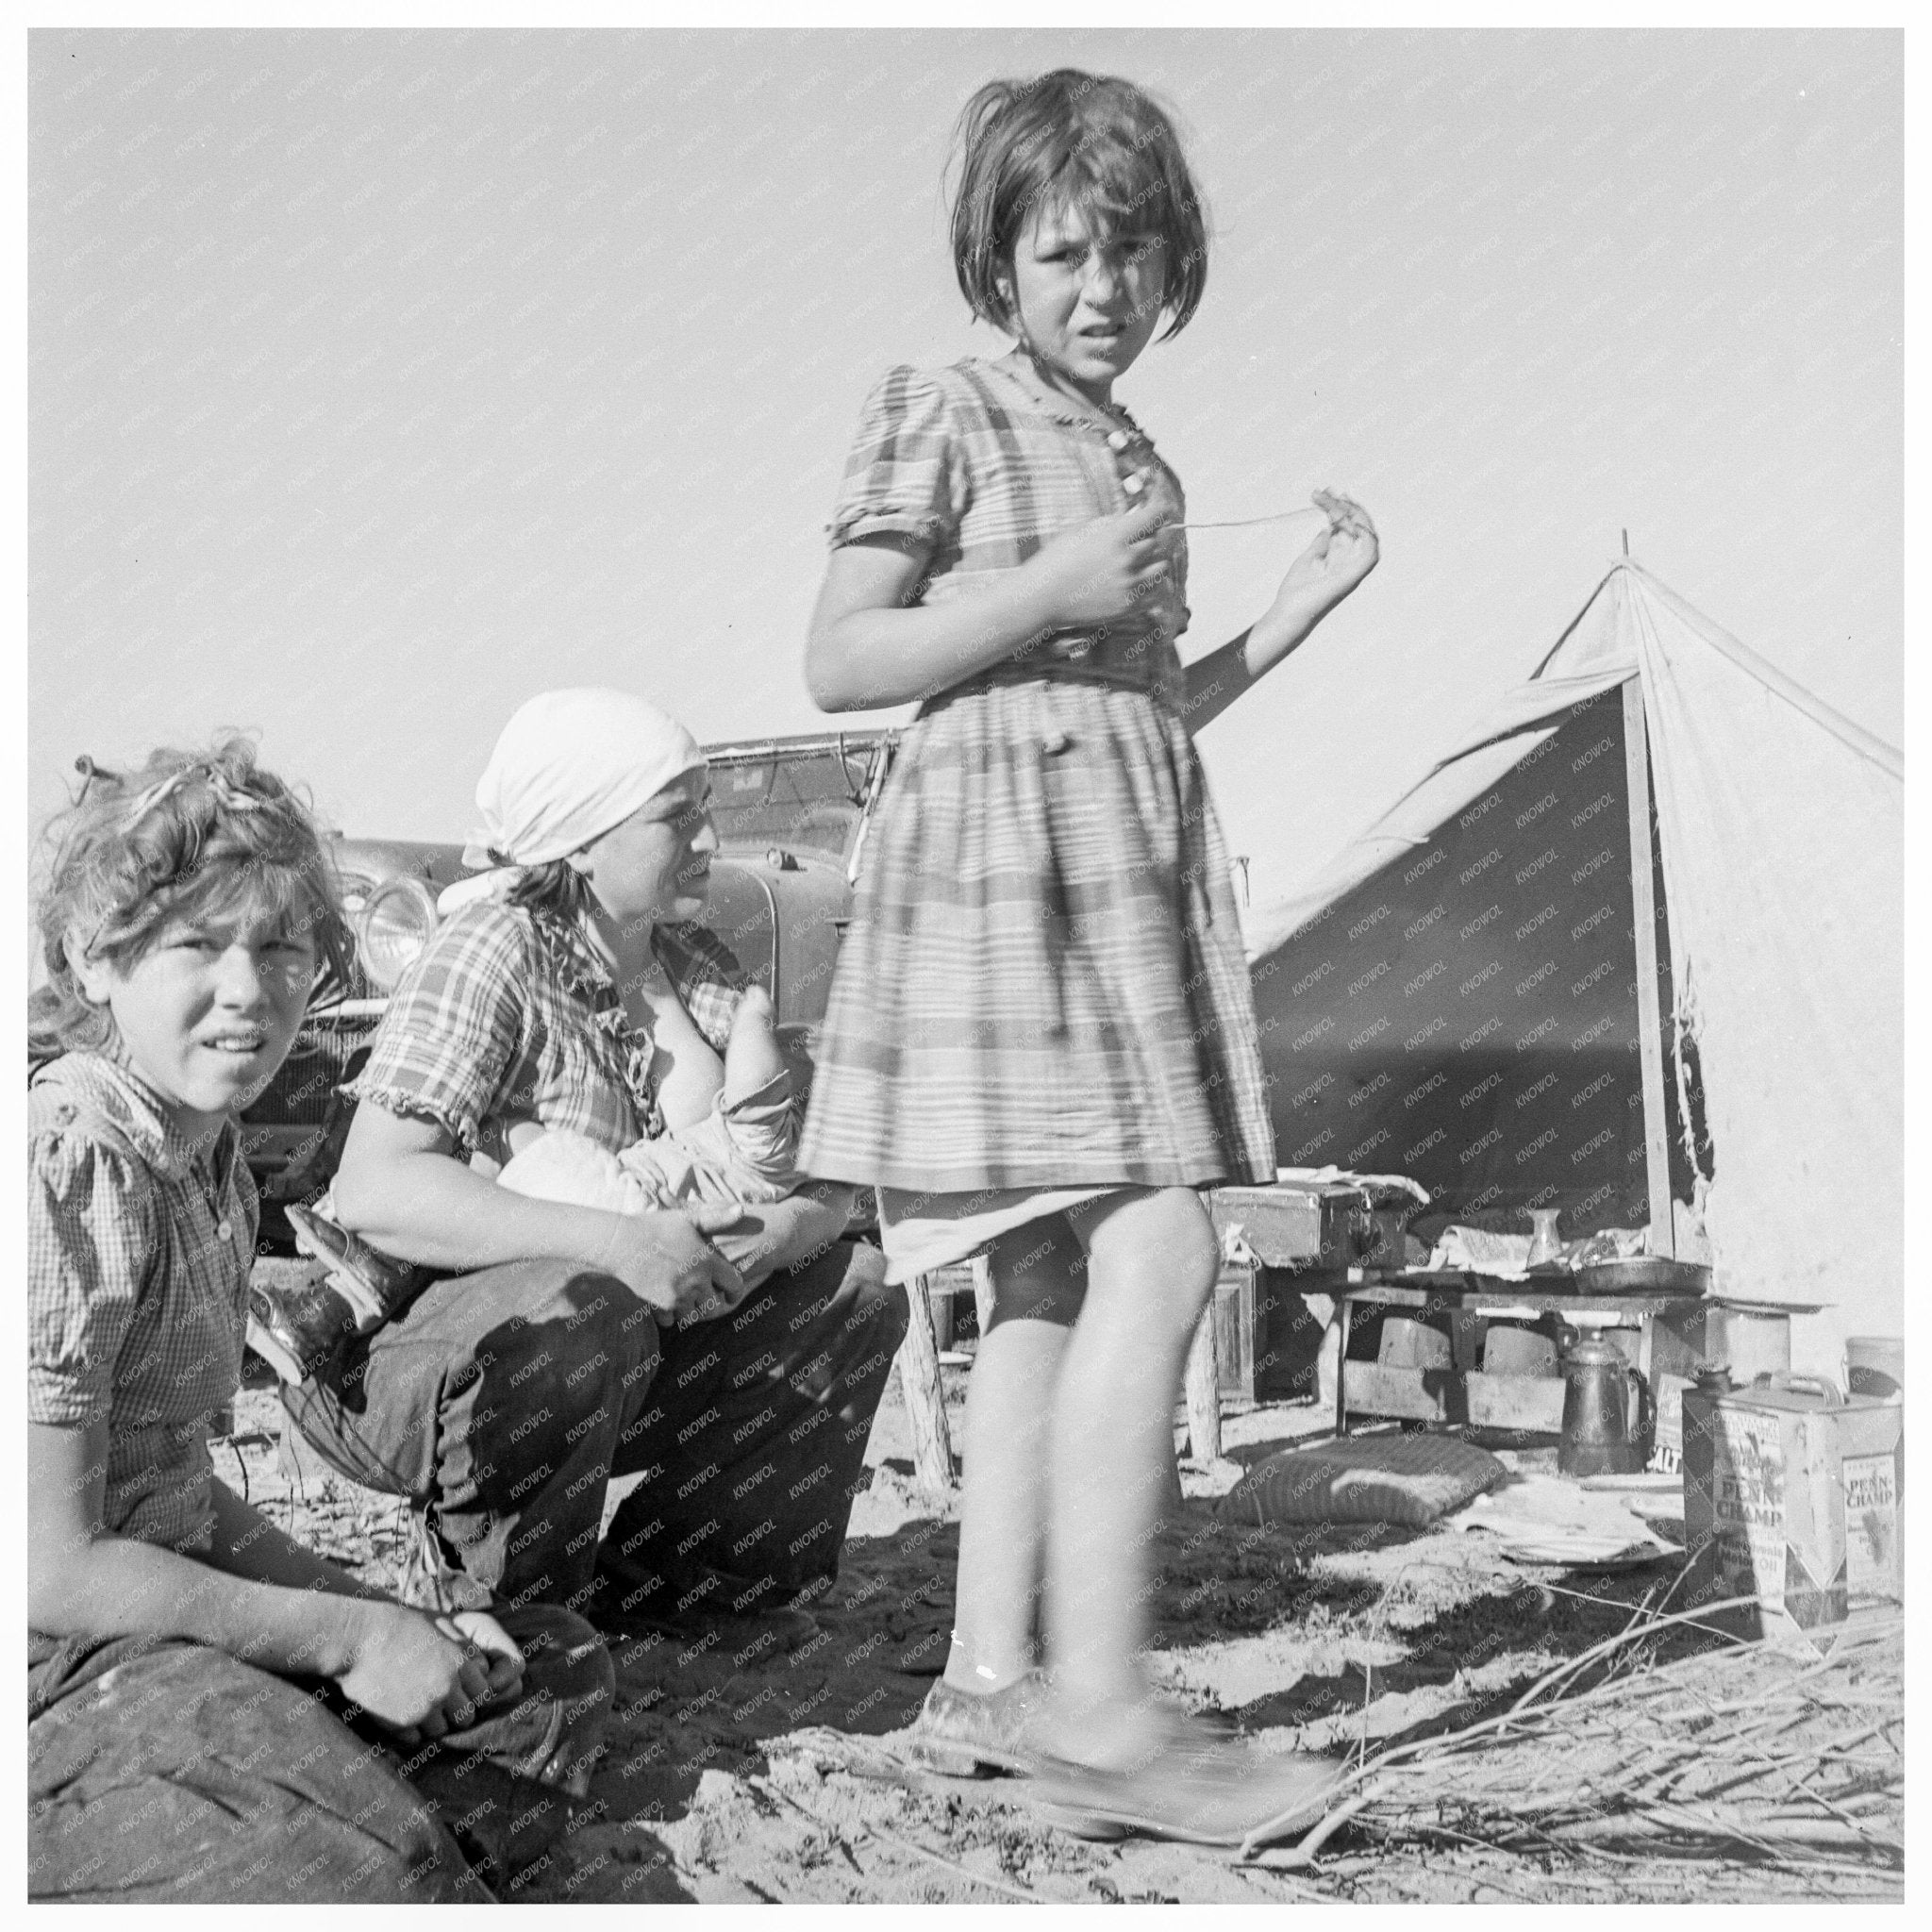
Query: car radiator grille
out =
(299, 1095)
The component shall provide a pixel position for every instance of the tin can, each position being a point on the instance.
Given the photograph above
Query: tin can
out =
(1791, 1497)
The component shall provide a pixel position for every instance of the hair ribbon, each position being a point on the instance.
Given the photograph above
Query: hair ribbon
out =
(227, 794)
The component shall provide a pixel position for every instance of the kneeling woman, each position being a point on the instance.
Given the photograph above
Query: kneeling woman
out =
(193, 1674)
(577, 1000)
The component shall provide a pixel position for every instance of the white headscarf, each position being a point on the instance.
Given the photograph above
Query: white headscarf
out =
(569, 766)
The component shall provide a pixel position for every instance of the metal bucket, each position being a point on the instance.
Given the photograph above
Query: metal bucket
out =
(1875, 1367)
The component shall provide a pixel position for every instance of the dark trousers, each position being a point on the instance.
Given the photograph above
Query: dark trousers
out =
(172, 1771)
(503, 1401)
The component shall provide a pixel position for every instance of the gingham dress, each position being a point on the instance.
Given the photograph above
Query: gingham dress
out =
(138, 1244)
(1044, 986)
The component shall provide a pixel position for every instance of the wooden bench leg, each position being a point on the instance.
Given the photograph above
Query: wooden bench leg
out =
(1204, 1394)
(1343, 1312)
(925, 1403)
(982, 1293)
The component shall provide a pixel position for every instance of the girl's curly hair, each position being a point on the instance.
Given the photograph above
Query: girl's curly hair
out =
(1069, 139)
(195, 835)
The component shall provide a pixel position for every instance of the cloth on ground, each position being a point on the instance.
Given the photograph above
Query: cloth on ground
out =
(1544, 1519)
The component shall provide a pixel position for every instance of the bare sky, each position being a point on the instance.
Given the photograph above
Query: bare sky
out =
(379, 379)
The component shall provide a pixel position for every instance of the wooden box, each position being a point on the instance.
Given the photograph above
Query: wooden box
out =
(1304, 1238)
(1449, 1395)
(1291, 1226)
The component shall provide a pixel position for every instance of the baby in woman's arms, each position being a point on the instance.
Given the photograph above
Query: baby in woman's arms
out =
(740, 1146)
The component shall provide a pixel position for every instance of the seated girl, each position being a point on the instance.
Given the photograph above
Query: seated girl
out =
(214, 1711)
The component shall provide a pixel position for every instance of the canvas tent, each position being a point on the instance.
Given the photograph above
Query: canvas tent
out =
(1488, 992)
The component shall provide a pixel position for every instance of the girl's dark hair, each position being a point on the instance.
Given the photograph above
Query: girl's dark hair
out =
(189, 834)
(1071, 140)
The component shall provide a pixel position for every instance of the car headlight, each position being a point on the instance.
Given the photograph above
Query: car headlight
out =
(393, 925)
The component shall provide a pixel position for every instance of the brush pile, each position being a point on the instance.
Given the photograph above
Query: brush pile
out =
(1763, 1755)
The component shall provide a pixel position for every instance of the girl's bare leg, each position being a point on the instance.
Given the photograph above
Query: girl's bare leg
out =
(1152, 1259)
(1037, 1275)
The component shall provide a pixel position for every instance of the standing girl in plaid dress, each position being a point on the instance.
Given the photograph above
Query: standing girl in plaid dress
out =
(1040, 1044)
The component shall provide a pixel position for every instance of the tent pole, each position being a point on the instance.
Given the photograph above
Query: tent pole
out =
(1650, 1030)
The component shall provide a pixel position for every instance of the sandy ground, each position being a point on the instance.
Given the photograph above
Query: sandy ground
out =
(786, 1780)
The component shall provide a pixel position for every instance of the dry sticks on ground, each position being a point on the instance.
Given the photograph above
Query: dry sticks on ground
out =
(1762, 1753)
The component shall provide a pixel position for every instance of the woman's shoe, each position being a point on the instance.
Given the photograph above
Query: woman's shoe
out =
(711, 1609)
(1196, 1783)
(376, 1285)
(967, 1736)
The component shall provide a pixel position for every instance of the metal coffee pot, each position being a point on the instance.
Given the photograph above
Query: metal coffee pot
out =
(1607, 1410)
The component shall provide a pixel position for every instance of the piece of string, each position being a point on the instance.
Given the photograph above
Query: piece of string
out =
(1279, 516)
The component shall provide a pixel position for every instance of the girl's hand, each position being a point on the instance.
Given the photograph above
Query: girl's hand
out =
(1341, 554)
(501, 1656)
(1097, 571)
(417, 1676)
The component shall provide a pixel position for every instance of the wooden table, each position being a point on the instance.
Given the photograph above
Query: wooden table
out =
(1470, 1395)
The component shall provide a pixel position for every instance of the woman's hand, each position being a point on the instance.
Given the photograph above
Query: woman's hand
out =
(1343, 552)
(1097, 571)
(405, 1191)
(664, 1259)
(785, 1234)
(417, 1676)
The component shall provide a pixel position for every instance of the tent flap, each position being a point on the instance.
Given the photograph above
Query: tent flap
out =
(1457, 992)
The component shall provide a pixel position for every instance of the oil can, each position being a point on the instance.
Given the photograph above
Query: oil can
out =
(1792, 1496)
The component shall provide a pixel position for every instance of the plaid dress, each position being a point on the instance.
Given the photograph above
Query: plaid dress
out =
(508, 1015)
(1043, 985)
(138, 1244)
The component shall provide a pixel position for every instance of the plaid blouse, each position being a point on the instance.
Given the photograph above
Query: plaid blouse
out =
(508, 1015)
(982, 466)
(138, 1249)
